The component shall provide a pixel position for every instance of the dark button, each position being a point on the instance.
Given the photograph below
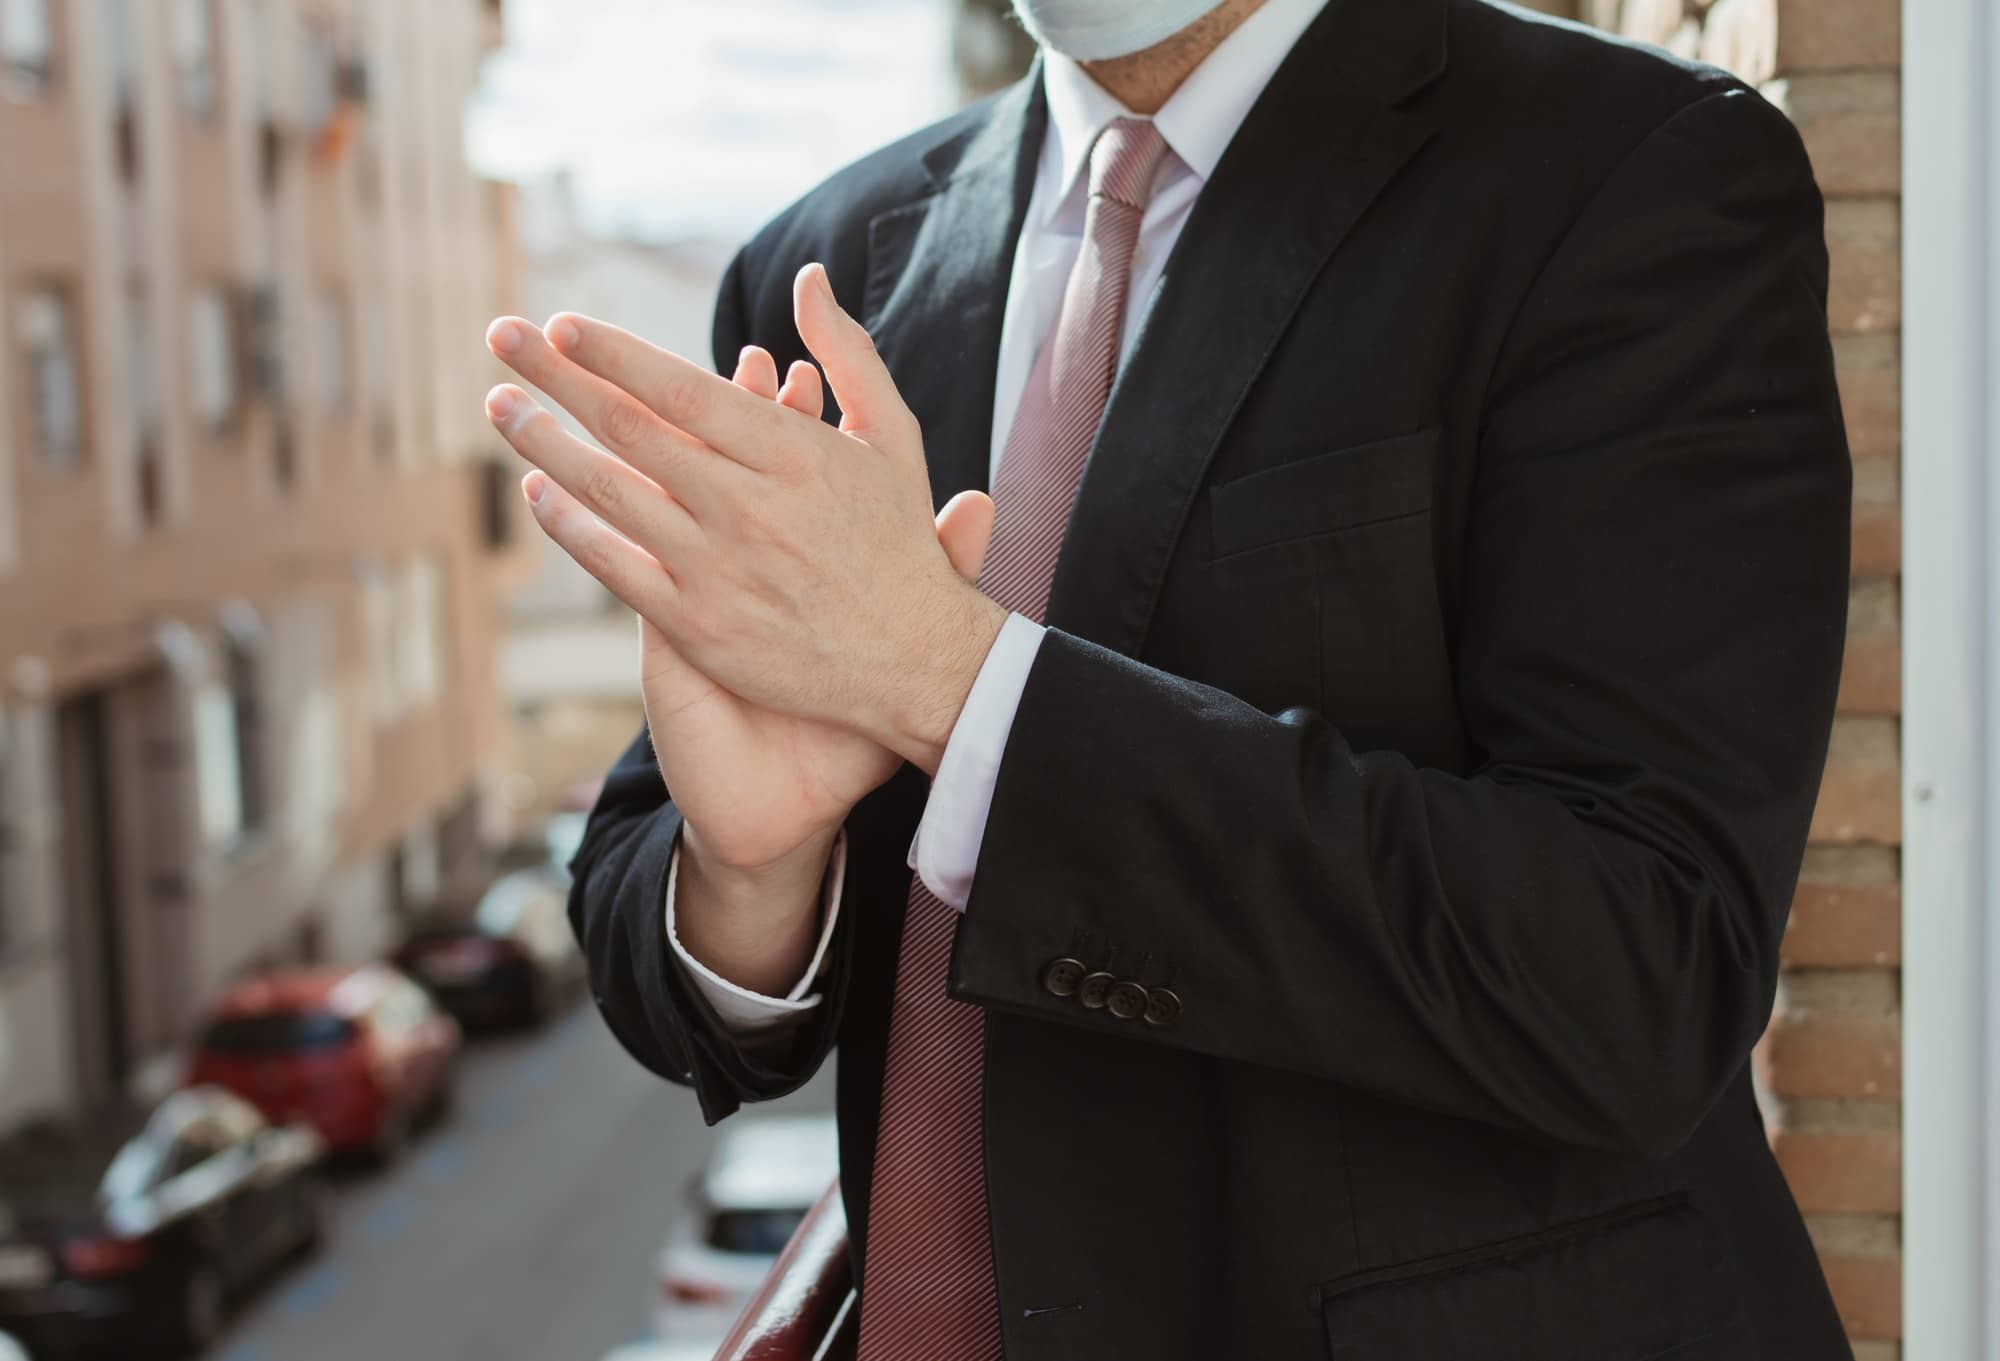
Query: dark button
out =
(1127, 1001)
(1163, 1007)
(1095, 988)
(1062, 976)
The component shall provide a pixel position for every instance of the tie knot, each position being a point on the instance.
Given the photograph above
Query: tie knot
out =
(1124, 159)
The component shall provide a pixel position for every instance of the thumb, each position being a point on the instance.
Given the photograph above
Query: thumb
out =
(870, 406)
(965, 528)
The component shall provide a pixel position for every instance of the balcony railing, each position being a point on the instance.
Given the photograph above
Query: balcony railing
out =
(806, 1309)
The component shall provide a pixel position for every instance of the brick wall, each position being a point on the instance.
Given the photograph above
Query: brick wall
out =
(1830, 1067)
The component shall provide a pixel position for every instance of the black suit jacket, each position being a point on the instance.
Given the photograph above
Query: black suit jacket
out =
(1441, 663)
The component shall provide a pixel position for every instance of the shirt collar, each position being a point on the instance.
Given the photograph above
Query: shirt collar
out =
(1200, 118)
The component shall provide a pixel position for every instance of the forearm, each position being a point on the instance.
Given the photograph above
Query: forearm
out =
(1582, 963)
(650, 996)
(755, 926)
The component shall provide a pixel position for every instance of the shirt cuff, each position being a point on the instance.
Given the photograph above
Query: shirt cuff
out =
(946, 849)
(752, 1013)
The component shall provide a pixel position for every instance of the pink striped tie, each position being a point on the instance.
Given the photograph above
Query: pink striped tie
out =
(927, 1290)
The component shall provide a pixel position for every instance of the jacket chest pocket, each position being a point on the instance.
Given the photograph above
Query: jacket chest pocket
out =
(1641, 1283)
(1330, 561)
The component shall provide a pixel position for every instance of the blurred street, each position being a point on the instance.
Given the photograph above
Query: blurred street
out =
(524, 1229)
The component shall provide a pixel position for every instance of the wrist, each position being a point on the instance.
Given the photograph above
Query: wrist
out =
(780, 881)
(934, 682)
(755, 927)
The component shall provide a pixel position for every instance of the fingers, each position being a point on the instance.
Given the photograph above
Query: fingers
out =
(627, 571)
(965, 528)
(731, 421)
(757, 372)
(869, 403)
(620, 422)
(632, 504)
(803, 391)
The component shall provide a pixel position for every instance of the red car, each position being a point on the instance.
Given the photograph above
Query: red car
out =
(362, 1055)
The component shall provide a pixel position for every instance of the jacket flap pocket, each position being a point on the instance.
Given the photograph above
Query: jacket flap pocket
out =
(1316, 495)
(1636, 1284)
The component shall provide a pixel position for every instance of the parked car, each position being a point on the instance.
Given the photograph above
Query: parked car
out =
(639, 1351)
(511, 961)
(562, 834)
(363, 1055)
(764, 1173)
(117, 1235)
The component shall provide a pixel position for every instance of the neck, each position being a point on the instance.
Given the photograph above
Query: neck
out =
(1145, 80)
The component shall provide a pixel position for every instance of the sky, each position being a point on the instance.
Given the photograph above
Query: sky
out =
(698, 119)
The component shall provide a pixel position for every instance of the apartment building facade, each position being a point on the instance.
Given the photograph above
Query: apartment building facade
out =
(252, 521)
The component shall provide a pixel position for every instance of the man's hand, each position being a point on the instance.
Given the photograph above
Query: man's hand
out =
(757, 787)
(762, 791)
(794, 566)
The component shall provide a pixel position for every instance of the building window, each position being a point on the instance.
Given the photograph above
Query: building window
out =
(218, 767)
(145, 397)
(265, 77)
(378, 626)
(318, 789)
(194, 54)
(118, 23)
(212, 329)
(48, 338)
(381, 379)
(28, 46)
(422, 651)
(336, 384)
(321, 82)
(264, 347)
(243, 674)
(123, 41)
(231, 788)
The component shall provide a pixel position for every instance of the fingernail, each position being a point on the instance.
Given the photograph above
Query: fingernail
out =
(534, 486)
(500, 405)
(562, 333)
(504, 337)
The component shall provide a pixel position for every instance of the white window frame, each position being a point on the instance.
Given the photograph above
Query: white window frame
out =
(28, 41)
(197, 67)
(63, 298)
(219, 768)
(215, 350)
(1951, 681)
(122, 40)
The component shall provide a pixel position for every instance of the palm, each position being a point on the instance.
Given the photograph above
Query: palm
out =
(756, 782)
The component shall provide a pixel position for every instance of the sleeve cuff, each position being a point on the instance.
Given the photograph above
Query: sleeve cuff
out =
(945, 852)
(751, 1013)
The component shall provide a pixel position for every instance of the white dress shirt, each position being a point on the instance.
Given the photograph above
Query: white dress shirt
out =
(1198, 122)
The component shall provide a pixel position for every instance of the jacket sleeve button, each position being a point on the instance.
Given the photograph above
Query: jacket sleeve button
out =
(1094, 989)
(1127, 1001)
(1062, 976)
(1163, 1007)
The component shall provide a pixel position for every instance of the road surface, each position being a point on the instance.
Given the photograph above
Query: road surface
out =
(522, 1230)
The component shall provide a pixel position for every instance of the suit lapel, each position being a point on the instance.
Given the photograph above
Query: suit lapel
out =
(1320, 144)
(938, 274)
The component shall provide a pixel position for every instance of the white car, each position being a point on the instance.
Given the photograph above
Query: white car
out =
(10, 1350)
(635, 1351)
(763, 1175)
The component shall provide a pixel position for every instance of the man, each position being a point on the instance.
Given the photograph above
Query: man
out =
(1368, 778)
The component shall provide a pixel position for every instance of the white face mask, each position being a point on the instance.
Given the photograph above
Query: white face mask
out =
(1094, 30)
